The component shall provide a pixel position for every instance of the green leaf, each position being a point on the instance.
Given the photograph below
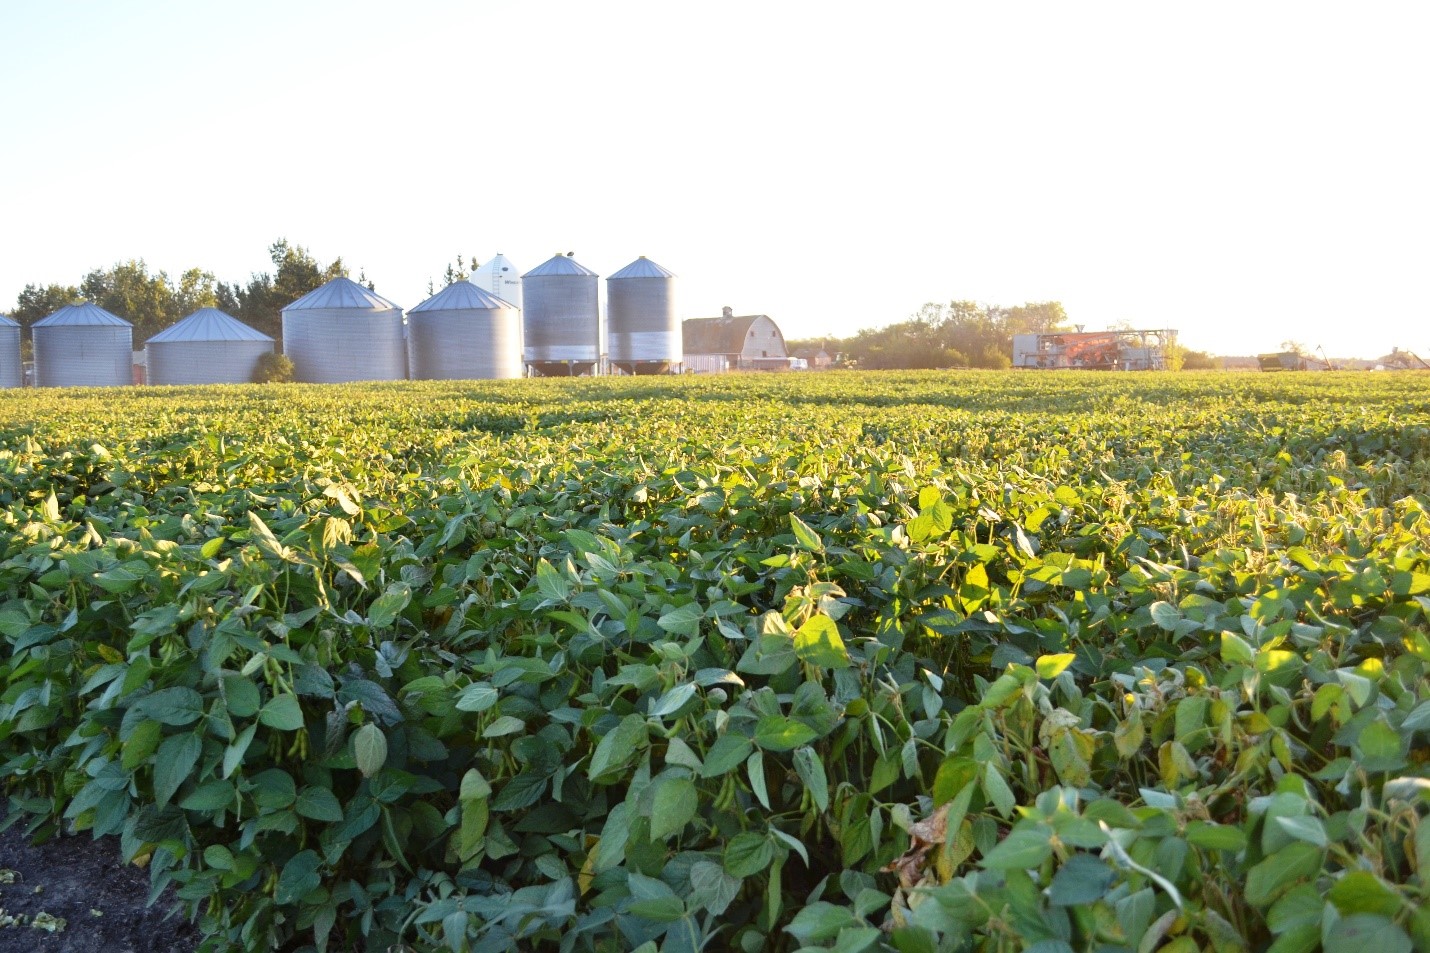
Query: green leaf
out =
(370, 749)
(673, 807)
(818, 642)
(299, 877)
(755, 768)
(1083, 879)
(174, 706)
(682, 620)
(673, 700)
(282, 712)
(727, 753)
(210, 796)
(553, 586)
(233, 754)
(748, 854)
(1268, 879)
(1051, 666)
(1021, 849)
(805, 537)
(1305, 828)
(618, 746)
(241, 696)
(175, 761)
(778, 733)
(1360, 891)
(1166, 615)
(811, 771)
(478, 697)
(1235, 650)
(996, 789)
(1215, 836)
(712, 888)
(505, 725)
(319, 804)
(1381, 747)
(387, 607)
(821, 921)
(142, 742)
(1363, 933)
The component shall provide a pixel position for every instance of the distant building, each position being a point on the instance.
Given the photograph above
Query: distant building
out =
(1115, 350)
(817, 359)
(734, 343)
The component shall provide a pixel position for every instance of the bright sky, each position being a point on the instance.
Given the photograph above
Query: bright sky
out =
(1247, 173)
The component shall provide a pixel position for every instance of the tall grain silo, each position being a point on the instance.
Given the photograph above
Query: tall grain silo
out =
(12, 371)
(464, 332)
(501, 278)
(561, 318)
(83, 345)
(343, 332)
(642, 330)
(207, 347)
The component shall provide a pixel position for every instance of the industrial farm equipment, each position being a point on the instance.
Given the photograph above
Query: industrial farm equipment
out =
(1112, 350)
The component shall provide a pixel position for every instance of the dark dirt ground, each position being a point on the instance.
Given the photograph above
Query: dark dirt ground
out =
(78, 875)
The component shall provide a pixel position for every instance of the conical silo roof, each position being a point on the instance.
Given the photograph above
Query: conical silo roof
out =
(81, 315)
(462, 296)
(559, 265)
(342, 293)
(7, 322)
(209, 324)
(642, 267)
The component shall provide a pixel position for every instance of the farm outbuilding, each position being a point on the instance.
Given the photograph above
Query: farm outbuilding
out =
(734, 343)
(83, 345)
(643, 333)
(464, 332)
(12, 370)
(561, 318)
(344, 332)
(208, 347)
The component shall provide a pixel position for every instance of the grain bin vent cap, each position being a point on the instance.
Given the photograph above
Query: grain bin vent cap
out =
(342, 293)
(82, 315)
(463, 296)
(642, 267)
(209, 324)
(559, 265)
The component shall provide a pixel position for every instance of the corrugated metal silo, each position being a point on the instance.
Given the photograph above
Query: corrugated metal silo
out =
(344, 332)
(561, 318)
(464, 332)
(12, 371)
(207, 347)
(501, 278)
(83, 345)
(642, 329)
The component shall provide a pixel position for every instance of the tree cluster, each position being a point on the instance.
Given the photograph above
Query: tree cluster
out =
(957, 334)
(152, 302)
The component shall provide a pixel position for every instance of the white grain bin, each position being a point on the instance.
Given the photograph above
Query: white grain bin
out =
(344, 332)
(83, 345)
(207, 347)
(561, 318)
(12, 371)
(501, 278)
(642, 331)
(464, 332)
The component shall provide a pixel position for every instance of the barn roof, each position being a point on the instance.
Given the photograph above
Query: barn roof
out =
(718, 335)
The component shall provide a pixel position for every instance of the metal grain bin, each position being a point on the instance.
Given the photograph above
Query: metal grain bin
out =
(83, 345)
(207, 347)
(344, 332)
(501, 278)
(561, 318)
(642, 330)
(12, 371)
(464, 333)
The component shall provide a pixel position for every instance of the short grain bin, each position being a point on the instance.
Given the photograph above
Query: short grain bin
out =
(12, 371)
(83, 345)
(344, 332)
(464, 332)
(641, 327)
(207, 347)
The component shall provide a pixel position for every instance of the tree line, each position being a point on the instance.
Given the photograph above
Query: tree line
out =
(959, 334)
(153, 301)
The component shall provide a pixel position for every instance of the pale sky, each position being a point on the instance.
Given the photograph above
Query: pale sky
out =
(1246, 173)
